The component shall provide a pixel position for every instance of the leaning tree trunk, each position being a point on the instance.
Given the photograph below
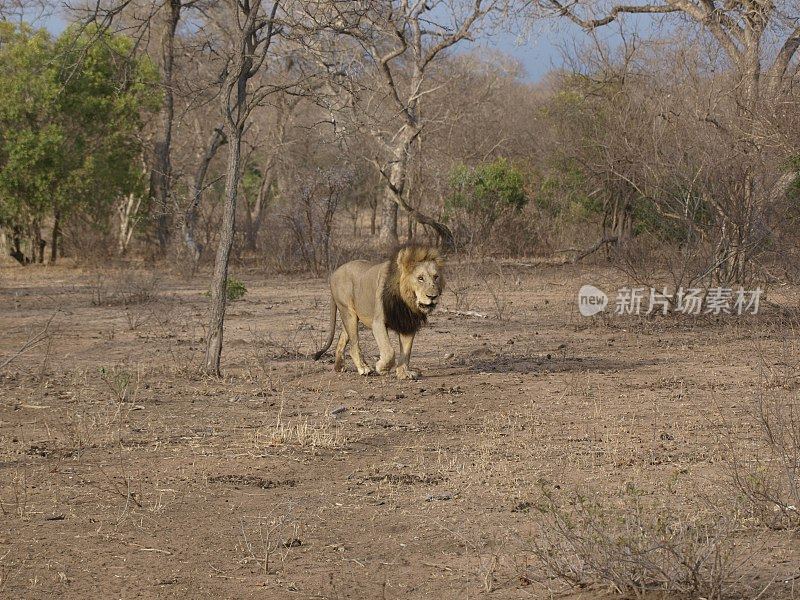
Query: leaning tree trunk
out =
(444, 233)
(220, 280)
(161, 172)
(255, 216)
(190, 219)
(395, 182)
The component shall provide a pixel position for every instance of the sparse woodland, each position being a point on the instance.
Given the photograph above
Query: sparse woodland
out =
(162, 151)
(686, 136)
(181, 132)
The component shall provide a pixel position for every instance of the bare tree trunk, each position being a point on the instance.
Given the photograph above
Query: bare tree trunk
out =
(54, 237)
(373, 205)
(220, 281)
(736, 246)
(127, 208)
(255, 30)
(190, 220)
(388, 233)
(37, 243)
(618, 221)
(247, 225)
(162, 169)
(395, 182)
(727, 254)
(16, 246)
(394, 186)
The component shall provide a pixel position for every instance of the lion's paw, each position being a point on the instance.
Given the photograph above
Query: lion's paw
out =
(365, 370)
(406, 373)
(384, 366)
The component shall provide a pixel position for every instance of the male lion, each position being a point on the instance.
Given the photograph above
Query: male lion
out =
(397, 294)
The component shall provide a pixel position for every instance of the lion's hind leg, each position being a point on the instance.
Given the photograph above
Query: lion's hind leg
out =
(350, 321)
(338, 363)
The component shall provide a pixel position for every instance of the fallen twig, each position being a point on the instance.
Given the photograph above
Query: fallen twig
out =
(32, 341)
(595, 248)
(145, 549)
(465, 313)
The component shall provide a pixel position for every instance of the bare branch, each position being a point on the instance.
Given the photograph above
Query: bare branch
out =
(565, 11)
(777, 72)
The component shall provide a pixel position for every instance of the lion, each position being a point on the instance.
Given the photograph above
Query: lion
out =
(397, 295)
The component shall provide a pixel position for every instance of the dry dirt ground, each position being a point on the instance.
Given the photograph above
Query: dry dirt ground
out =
(125, 474)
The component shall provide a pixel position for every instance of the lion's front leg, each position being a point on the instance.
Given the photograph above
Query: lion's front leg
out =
(403, 365)
(386, 360)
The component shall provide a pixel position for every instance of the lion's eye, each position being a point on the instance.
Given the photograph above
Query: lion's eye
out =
(421, 278)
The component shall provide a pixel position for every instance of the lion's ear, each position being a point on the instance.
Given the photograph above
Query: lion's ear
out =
(405, 259)
(410, 256)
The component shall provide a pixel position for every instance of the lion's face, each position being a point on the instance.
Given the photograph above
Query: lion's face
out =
(421, 280)
(426, 283)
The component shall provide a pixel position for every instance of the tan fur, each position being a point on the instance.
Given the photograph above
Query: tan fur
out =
(396, 295)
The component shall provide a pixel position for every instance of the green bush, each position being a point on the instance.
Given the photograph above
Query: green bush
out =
(234, 290)
(487, 190)
(562, 192)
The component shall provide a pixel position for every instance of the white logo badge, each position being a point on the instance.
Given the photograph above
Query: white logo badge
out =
(591, 300)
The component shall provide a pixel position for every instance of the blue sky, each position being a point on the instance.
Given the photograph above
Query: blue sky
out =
(538, 52)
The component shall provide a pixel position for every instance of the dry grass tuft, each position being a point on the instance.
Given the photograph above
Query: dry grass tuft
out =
(267, 540)
(634, 544)
(769, 478)
(304, 434)
(124, 288)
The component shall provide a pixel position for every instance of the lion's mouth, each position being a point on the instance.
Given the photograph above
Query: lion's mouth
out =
(427, 307)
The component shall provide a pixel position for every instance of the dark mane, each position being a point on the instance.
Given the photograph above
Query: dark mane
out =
(397, 314)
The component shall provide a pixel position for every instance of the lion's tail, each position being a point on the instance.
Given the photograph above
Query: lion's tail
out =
(327, 345)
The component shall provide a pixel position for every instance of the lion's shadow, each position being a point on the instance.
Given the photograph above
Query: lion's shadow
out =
(555, 364)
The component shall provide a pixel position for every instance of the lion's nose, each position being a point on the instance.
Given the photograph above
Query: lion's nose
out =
(434, 297)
